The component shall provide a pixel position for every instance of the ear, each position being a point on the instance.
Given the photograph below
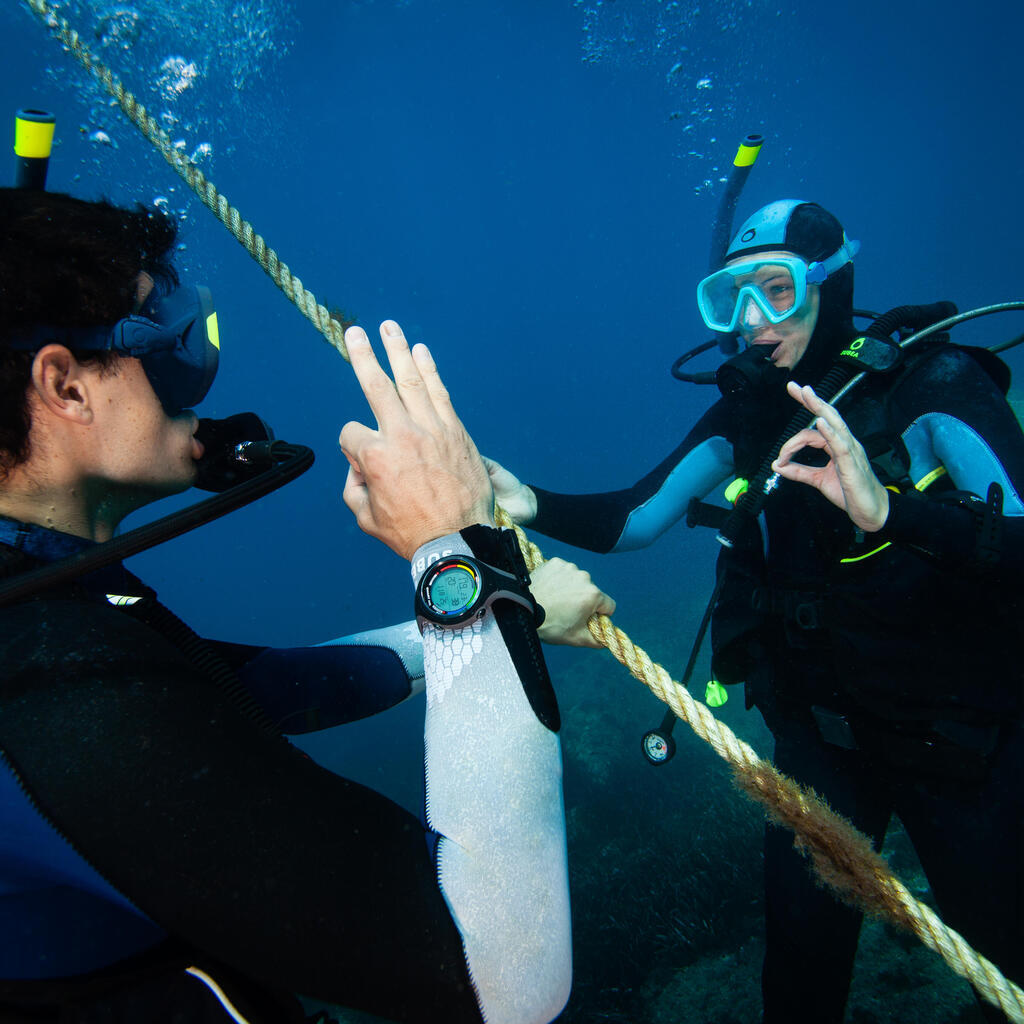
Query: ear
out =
(62, 384)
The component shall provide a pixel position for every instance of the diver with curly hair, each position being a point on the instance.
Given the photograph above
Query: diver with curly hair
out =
(166, 855)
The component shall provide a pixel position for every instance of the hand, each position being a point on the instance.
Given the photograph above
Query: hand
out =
(514, 497)
(418, 476)
(848, 480)
(568, 598)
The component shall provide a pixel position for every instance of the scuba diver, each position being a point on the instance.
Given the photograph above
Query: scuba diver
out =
(870, 600)
(165, 853)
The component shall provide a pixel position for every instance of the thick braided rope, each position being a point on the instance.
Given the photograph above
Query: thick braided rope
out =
(253, 243)
(842, 857)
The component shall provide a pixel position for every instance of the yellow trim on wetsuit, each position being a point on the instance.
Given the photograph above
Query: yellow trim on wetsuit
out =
(858, 558)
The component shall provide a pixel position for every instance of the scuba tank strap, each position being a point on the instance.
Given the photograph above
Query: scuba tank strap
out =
(989, 547)
(703, 513)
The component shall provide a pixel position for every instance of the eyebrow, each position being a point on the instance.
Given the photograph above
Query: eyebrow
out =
(743, 279)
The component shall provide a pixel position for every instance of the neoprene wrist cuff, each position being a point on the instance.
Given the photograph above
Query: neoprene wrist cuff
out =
(942, 528)
(491, 545)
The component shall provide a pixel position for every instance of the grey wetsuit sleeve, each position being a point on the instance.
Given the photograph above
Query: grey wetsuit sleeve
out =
(494, 797)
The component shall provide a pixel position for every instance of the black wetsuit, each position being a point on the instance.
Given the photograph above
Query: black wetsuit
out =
(888, 666)
(153, 819)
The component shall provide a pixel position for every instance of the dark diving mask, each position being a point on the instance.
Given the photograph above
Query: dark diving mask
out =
(175, 336)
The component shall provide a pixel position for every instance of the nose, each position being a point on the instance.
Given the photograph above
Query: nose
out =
(751, 317)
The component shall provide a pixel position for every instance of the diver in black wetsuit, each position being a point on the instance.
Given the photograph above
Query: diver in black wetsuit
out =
(165, 854)
(875, 621)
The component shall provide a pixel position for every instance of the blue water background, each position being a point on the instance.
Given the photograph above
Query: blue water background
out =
(527, 187)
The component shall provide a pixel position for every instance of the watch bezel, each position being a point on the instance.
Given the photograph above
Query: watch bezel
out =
(494, 584)
(427, 609)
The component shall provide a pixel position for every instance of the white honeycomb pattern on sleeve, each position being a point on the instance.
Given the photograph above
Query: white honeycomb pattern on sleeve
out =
(446, 652)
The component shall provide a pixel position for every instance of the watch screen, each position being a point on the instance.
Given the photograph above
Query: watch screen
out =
(454, 589)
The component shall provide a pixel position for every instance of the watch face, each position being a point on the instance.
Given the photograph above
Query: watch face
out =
(453, 589)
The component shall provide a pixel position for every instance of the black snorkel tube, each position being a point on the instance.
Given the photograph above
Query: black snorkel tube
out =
(721, 226)
(33, 142)
(721, 235)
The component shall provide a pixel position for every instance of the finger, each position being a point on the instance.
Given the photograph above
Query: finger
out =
(838, 440)
(377, 387)
(439, 396)
(804, 395)
(806, 438)
(822, 409)
(409, 383)
(795, 471)
(355, 495)
(354, 438)
(354, 472)
(605, 605)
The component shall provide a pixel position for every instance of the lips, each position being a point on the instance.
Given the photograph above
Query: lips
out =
(775, 346)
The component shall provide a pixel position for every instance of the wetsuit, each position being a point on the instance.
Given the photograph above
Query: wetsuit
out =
(887, 665)
(165, 852)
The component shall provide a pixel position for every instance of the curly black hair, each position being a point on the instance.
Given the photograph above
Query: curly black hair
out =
(67, 262)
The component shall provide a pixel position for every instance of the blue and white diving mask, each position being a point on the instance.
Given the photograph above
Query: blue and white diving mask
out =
(174, 335)
(776, 285)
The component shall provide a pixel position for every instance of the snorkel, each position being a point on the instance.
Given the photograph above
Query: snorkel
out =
(721, 231)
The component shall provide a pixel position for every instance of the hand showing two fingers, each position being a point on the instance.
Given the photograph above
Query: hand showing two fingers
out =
(847, 480)
(418, 475)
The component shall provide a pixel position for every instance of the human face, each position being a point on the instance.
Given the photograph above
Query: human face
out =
(140, 453)
(790, 337)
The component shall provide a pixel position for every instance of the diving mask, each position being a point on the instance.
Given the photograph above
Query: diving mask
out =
(174, 335)
(776, 285)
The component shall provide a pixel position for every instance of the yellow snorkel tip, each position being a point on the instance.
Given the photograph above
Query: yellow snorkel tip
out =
(33, 141)
(748, 152)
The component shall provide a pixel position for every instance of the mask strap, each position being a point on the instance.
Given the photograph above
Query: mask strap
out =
(818, 272)
(91, 339)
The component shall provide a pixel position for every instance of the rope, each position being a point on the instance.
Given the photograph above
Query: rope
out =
(332, 329)
(842, 857)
